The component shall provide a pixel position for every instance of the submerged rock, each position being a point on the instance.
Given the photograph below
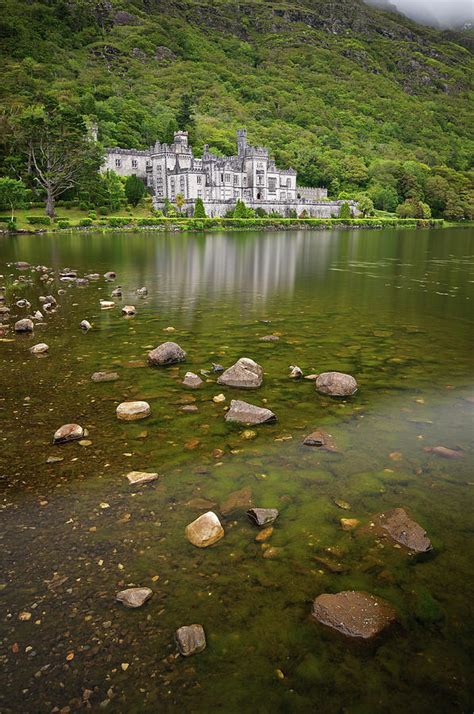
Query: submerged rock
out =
(23, 303)
(105, 377)
(354, 614)
(444, 452)
(269, 338)
(205, 530)
(336, 384)
(134, 597)
(40, 349)
(106, 304)
(192, 380)
(217, 367)
(139, 477)
(190, 639)
(25, 325)
(142, 292)
(117, 292)
(397, 524)
(132, 411)
(68, 432)
(166, 353)
(245, 374)
(348, 524)
(320, 439)
(237, 499)
(262, 516)
(245, 413)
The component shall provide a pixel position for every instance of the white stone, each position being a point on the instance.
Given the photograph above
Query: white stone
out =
(205, 530)
(132, 411)
(139, 477)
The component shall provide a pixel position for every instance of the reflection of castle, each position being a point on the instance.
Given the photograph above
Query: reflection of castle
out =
(251, 176)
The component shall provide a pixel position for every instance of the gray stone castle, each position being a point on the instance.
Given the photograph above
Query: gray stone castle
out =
(251, 176)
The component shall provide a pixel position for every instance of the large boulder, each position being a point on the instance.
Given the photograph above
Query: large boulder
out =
(25, 325)
(205, 530)
(355, 614)
(398, 525)
(132, 411)
(245, 413)
(166, 353)
(245, 373)
(68, 432)
(134, 597)
(336, 384)
(190, 639)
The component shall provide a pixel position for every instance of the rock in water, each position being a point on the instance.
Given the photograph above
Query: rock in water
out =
(105, 377)
(321, 439)
(205, 530)
(190, 639)
(139, 477)
(110, 275)
(269, 338)
(68, 432)
(444, 452)
(166, 353)
(129, 310)
(355, 614)
(106, 304)
(39, 349)
(25, 325)
(295, 372)
(132, 411)
(403, 530)
(262, 516)
(245, 373)
(191, 380)
(85, 325)
(245, 413)
(142, 292)
(336, 384)
(134, 597)
(237, 499)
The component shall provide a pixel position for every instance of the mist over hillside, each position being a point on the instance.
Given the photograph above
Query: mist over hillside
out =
(438, 13)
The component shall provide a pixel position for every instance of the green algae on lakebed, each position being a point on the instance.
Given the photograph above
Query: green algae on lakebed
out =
(395, 310)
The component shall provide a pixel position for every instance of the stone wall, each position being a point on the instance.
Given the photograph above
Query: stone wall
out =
(311, 194)
(313, 209)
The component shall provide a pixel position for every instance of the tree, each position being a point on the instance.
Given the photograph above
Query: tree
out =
(240, 210)
(12, 194)
(454, 210)
(385, 198)
(365, 205)
(436, 193)
(59, 150)
(134, 189)
(168, 137)
(345, 211)
(184, 115)
(199, 211)
(180, 201)
(412, 208)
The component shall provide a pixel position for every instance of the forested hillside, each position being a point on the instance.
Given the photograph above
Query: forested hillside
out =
(354, 98)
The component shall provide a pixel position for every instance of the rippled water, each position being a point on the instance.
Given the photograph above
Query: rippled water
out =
(392, 308)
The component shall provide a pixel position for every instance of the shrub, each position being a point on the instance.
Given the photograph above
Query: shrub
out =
(39, 220)
(103, 210)
(118, 221)
(85, 222)
(83, 206)
(63, 223)
(345, 211)
(93, 215)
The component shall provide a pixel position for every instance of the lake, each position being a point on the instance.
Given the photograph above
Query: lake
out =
(392, 308)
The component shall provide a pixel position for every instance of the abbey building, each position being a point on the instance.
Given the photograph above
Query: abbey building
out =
(250, 175)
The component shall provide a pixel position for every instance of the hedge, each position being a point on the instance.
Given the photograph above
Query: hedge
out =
(39, 220)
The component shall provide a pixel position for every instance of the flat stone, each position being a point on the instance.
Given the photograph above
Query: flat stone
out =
(139, 477)
(25, 325)
(189, 408)
(236, 500)
(200, 503)
(39, 349)
(397, 524)
(134, 597)
(262, 516)
(192, 380)
(336, 384)
(166, 353)
(354, 614)
(342, 504)
(54, 459)
(245, 374)
(68, 432)
(264, 534)
(245, 413)
(106, 304)
(129, 310)
(205, 530)
(132, 411)
(269, 338)
(105, 377)
(191, 639)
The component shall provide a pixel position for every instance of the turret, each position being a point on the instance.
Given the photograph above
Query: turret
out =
(241, 141)
(181, 139)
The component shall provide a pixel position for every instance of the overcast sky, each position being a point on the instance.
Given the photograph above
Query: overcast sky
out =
(442, 12)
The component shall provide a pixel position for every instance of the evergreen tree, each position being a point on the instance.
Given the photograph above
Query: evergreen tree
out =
(240, 210)
(199, 211)
(345, 211)
(134, 190)
(168, 137)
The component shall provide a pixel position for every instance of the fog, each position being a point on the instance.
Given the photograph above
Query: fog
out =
(441, 13)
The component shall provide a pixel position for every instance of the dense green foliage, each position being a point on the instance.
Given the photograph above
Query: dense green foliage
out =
(134, 190)
(199, 210)
(354, 98)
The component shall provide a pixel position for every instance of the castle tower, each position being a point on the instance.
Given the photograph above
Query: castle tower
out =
(241, 141)
(181, 139)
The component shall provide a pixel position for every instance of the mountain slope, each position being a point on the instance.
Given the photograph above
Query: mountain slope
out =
(327, 83)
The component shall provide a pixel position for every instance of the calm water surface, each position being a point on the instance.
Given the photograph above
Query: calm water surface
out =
(392, 308)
